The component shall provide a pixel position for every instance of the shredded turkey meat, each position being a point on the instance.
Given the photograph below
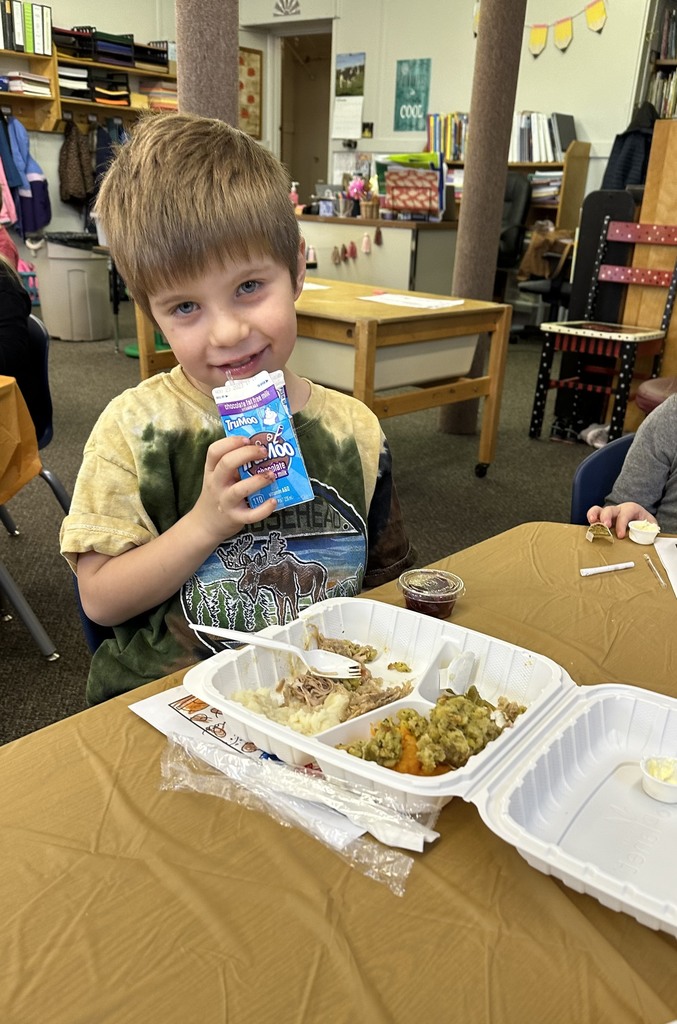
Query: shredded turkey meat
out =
(363, 695)
(348, 648)
(311, 704)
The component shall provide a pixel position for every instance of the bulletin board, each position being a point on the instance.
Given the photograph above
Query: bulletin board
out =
(251, 91)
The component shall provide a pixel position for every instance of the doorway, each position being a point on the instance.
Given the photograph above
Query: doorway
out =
(305, 97)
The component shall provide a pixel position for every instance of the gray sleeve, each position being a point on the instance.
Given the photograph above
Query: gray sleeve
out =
(649, 473)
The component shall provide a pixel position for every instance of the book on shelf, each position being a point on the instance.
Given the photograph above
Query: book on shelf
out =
(31, 85)
(540, 138)
(564, 128)
(535, 137)
(546, 186)
(38, 28)
(447, 133)
(17, 26)
(668, 43)
(29, 39)
(25, 27)
(5, 25)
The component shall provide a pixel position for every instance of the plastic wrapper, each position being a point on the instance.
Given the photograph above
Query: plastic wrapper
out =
(303, 799)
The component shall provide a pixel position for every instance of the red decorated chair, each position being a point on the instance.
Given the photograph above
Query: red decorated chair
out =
(607, 352)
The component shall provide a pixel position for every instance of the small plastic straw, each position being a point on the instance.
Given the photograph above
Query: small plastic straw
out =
(655, 572)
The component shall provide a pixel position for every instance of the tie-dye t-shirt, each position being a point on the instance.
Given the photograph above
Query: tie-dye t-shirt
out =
(142, 471)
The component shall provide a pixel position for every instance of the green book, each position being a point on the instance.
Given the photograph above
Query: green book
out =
(29, 38)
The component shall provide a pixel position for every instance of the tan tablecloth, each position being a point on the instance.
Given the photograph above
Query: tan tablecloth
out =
(124, 904)
(19, 459)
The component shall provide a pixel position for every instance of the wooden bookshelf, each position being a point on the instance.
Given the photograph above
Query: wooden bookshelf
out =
(36, 113)
(565, 211)
(45, 113)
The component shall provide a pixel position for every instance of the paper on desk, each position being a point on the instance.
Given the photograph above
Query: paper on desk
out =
(310, 286)
(412, 301)
(666, 548)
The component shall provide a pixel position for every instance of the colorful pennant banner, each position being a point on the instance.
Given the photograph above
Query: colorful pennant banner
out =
(563, 29)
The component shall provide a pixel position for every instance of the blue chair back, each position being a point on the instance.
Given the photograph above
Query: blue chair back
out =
(40, 406)
(93, 632)
(595, 476)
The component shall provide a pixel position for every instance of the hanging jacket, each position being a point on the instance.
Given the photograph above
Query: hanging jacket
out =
(629, 157)
(34, 208)
(12, 175)
(76, 178)
(21, 154)
(8, 214)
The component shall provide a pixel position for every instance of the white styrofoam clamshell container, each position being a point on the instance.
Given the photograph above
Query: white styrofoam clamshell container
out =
(563, 785)
(425, 644)
(570, 800)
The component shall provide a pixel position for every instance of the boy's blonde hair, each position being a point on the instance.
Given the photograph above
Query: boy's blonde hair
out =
(187, 191)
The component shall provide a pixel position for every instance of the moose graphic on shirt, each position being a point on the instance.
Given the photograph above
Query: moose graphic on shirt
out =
(275, 569)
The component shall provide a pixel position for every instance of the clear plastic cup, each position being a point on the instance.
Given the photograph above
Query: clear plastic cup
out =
(431, 591)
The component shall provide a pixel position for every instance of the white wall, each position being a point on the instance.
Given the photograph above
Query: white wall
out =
(594, 79)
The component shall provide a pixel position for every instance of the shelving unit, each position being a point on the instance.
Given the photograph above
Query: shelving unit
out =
(566, 210)
(37, 113)
(81, 110)
(658, 78)
(44, 114)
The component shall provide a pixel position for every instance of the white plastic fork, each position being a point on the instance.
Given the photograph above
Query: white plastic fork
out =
(318, 662)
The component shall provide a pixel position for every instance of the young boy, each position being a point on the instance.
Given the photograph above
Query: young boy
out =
(201, 228)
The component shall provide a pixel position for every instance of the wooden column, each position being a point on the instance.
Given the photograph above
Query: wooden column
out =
(492, 104)
(207, 33)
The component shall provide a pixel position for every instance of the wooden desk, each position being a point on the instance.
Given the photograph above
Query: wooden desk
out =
(19, 459)
(376, 337)
(124, 903)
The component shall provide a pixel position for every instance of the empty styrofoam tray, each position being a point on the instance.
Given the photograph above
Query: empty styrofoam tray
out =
(571, 800)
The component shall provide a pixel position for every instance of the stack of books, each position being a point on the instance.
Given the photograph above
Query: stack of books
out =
(545, 187)
(161, 95)
(31, 85)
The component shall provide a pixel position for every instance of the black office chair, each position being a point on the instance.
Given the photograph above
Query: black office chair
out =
(554, 291)
(595, 476)
(513, 228)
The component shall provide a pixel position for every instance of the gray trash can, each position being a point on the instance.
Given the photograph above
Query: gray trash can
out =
(74, 288)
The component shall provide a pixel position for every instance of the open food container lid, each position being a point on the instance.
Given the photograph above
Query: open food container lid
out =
(563, 785)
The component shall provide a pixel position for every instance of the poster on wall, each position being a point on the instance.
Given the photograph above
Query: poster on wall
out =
(348, 96)
(251, 91)
(412, 85)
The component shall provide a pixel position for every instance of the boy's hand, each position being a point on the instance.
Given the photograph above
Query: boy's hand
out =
(222, 509)
(621, 515)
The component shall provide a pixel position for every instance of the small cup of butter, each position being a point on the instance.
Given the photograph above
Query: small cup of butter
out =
(659, 778)
(642, 531)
